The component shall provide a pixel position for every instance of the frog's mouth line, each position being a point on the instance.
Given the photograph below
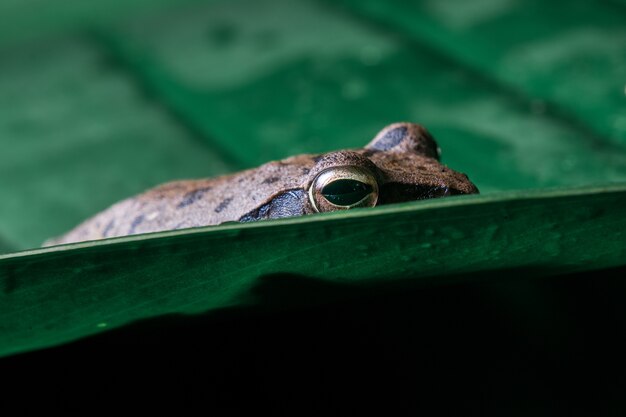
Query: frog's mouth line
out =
(400, 193)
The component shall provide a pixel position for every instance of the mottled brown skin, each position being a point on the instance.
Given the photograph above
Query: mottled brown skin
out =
(403, 157)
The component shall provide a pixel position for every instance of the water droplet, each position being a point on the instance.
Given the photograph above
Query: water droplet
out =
(619, 123)
(371, 55)
(354, 89)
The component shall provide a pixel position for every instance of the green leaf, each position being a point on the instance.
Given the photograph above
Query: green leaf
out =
(566, 55)
(101, 103)
(59, 294)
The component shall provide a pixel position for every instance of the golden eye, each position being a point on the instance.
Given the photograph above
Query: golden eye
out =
(341, 188)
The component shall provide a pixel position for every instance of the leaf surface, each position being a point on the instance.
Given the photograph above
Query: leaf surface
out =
(99, 104)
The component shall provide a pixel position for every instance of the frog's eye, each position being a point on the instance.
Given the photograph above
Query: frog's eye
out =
(341, 188)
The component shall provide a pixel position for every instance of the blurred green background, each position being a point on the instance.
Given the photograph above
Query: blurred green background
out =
(101, 101)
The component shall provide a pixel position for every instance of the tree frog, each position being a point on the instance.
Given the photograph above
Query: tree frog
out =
(400, 164)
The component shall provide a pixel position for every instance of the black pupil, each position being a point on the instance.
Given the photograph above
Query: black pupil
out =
(346, 192)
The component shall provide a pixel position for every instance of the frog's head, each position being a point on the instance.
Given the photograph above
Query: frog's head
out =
(400, 164)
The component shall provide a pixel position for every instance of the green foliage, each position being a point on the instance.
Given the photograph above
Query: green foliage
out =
(98, 104)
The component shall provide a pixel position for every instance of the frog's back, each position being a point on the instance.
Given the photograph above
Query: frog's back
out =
(192, 203)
